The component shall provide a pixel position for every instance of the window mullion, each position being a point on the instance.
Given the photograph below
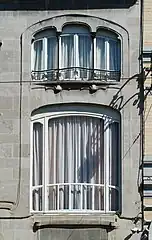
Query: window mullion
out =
(32, 57)
(60, 53)
(76, 48)
(95, 52)
(45, 166)
(106, 172)
(31, 166)
(76, 53)
(107, 55)
(45, 53)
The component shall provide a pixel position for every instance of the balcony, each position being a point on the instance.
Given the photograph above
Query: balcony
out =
(76, 198)
(75, 74)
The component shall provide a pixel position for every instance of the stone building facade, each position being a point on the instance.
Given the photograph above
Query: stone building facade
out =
(70, 126)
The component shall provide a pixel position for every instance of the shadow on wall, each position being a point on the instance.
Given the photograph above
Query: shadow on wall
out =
(66, 5)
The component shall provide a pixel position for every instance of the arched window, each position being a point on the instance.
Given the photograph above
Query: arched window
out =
(76, 54)
(45, 53)
(75, 161)
(107, 54)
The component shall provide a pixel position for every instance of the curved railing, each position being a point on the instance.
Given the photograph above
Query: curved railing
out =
(76, 74)
(75, 197)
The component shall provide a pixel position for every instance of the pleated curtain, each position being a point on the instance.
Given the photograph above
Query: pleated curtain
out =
(38, 56)
(37, 165)
(67, 56)
(85, 56)
(75, 156)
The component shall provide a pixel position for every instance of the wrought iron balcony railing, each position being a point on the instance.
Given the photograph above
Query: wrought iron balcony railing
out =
(75, 197)
(76, 74)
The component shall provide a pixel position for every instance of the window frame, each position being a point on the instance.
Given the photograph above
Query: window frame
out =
(76, 52)
(44, 118)
(106, 74)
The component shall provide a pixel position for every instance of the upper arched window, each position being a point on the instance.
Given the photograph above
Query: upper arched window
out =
(107, 51)
(44, 54)
(76, 54)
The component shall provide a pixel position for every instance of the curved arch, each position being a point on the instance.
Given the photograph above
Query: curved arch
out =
(77, 24)
(75, 18)
(79, 107)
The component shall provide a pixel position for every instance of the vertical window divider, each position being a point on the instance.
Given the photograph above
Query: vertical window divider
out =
(107, 54)
(94, 53)
(59, 55)
(76, 52)
(119, 165)
(45, 54)
(106, 172)
(45, 165)
(110, 165)
(32, 57)
(31, 166)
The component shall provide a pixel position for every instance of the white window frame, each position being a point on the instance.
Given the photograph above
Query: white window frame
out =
(43, 119)
(76, 54)
(107, 54)
(44, 39)
(106, 34)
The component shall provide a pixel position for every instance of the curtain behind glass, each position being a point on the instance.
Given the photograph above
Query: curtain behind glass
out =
(52, 53)
(75, 156)
(100, 53)
(85, 55)
(114, 49)
(37, 164)
(38, 56)
(114, 166)
(67, 55)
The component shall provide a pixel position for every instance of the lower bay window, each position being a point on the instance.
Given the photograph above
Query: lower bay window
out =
(75, 162)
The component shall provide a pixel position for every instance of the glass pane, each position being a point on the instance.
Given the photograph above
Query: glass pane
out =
(38, 56)
(113, 200)
(37, 153)
(52, 53)
(75, 156)
(37, 199)
(67, 56)
(100, 53)
(85, 55)
(53, 197)
(114, 49)
(76, 194)
(114, 155)
(114, 167)
(99, 198)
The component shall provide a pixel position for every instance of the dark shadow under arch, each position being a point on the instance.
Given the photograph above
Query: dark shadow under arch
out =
(63, 5)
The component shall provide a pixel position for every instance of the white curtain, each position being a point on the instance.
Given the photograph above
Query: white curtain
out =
(75, 156)
(114, 49)
(37, 165)
(100, 53)
(107, 54)
(52, 53)
(67, 55)
(113, 166)
(85, 55)
(38, 56)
